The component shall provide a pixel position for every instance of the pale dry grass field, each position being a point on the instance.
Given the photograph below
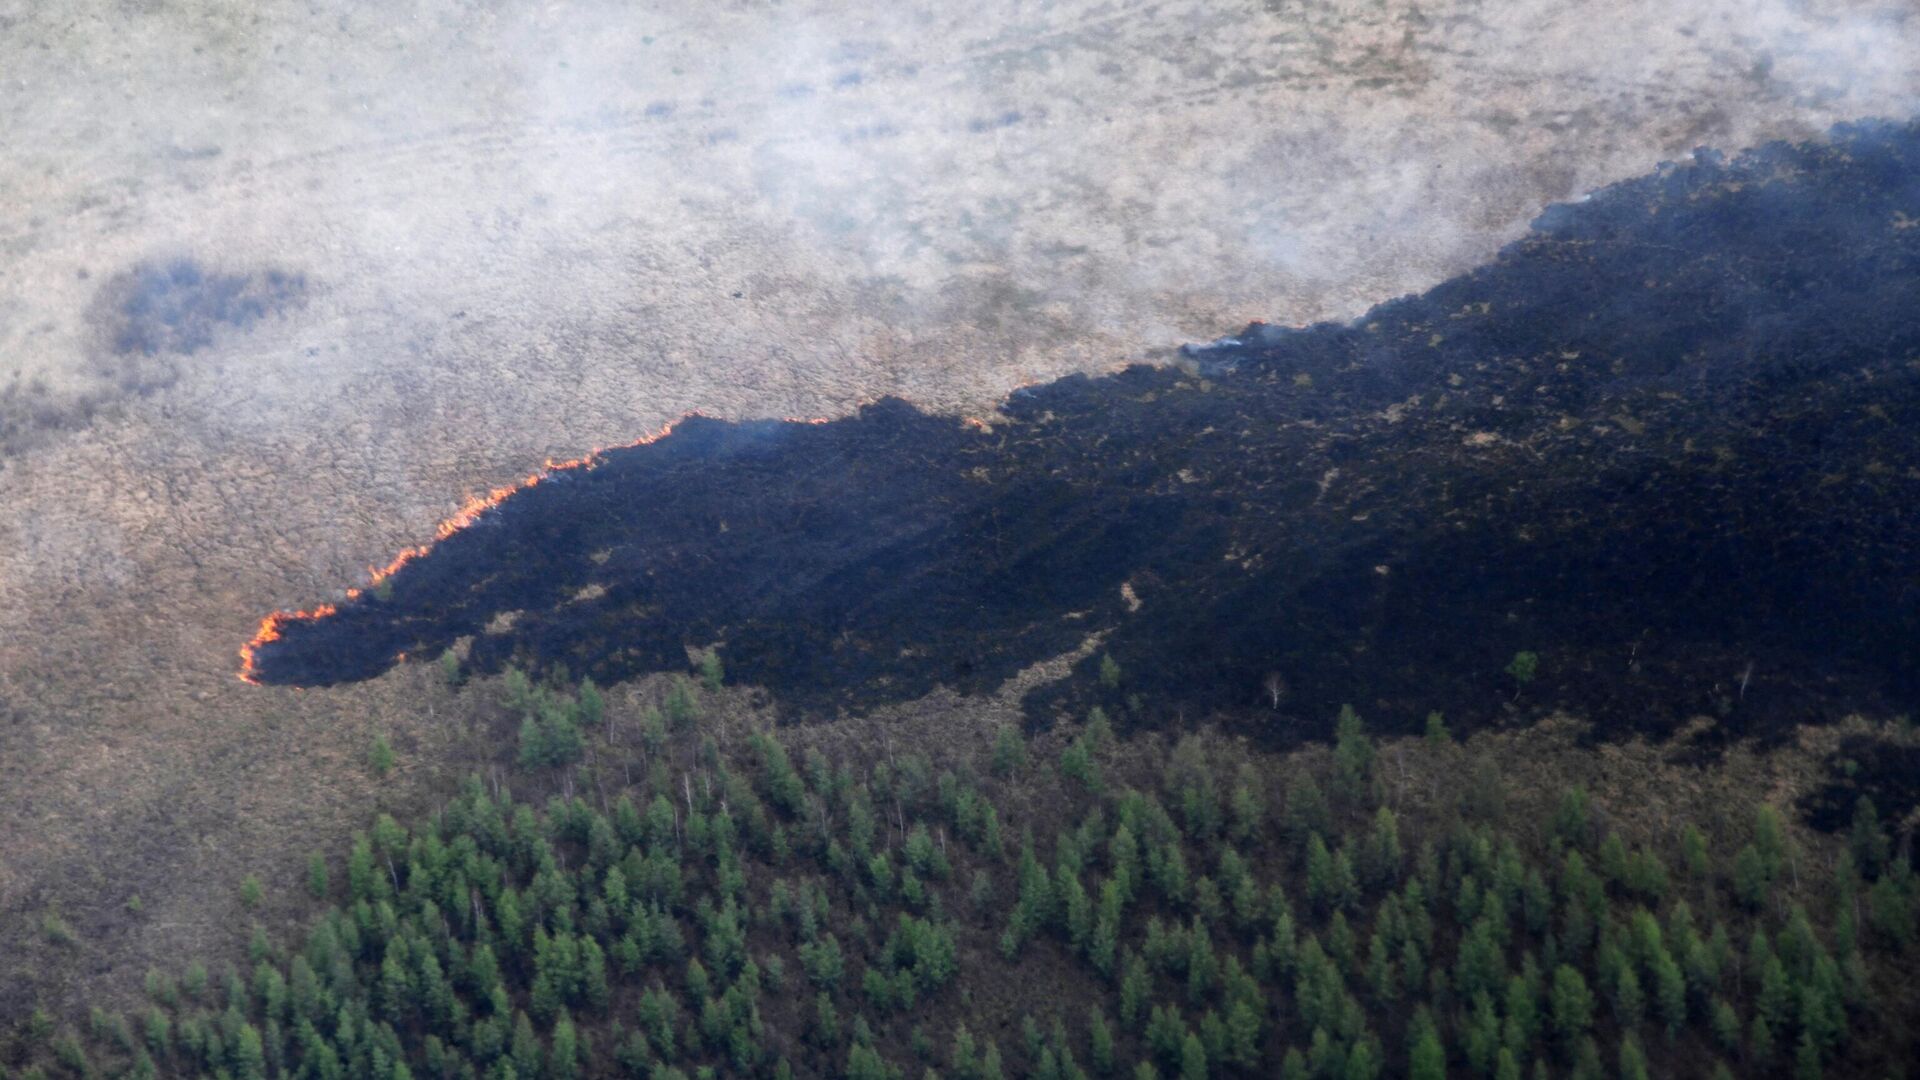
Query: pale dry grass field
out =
(527, 230)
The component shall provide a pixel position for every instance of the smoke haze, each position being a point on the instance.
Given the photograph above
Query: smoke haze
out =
(525, 231)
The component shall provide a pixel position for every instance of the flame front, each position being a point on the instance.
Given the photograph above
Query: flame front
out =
(471, 511)
(269, 632)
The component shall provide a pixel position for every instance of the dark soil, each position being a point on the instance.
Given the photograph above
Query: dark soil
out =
(1670, 441)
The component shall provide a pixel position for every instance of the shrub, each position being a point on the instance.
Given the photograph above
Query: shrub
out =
(380, 756)
(1524, 667)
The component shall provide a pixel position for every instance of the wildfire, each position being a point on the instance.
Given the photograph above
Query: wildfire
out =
(475, 507)
(270, 632)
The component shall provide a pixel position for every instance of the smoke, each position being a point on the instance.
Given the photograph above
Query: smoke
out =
(1849, 57)
(1044, 185)
(529, 231)
(533, 230)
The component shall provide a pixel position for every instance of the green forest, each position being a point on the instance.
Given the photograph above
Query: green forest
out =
(668, 895)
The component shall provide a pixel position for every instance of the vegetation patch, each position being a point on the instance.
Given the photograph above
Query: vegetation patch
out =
(678, 893)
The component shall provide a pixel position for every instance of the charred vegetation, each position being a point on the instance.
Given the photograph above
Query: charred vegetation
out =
(1669, 442)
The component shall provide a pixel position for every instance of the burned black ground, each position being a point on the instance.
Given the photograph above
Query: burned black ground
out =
(1669, 441)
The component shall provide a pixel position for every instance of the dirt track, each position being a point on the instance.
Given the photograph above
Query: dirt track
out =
(527, 235)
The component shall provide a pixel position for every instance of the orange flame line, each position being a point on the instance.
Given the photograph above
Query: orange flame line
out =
(270, 632)
(470, 511)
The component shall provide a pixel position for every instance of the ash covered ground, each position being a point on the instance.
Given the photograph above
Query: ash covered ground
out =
(523, 233)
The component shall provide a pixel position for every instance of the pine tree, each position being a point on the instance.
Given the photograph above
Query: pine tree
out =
(1307, 814)
(1586, 1060)
(1751, 882)
(1633, 1060)
(681, 711)
(525, 1053)
(1009, 751)
(1382, 976)
(249, 1055)
(1481, 1038)
(1725, 1024)
(1570, 821)
(1193, 1059)
(1135, 987)
(1482, 965)
(1106, 930)
(563, 1060)
(1100, 1040)
(1693, 853)
(1363, 1061)
(865, 1063)
(1572, 1005)
(1775, 1000)
(1770, 840)
(592, 708)
(1165, 1034)
(380, 756)
(1670, 991)
(1353, 757)
(1867, 839)
(1629, 1000)
(1243, 1031)
(1427, 1059)
(712, 672)
(396, 983)
(1806, 1058)
(1380, 858)
(317, 876)
(1522, 1010)
(1248, 811)
(533, 743)
(1760, 1041)
(1320, 884)
(990, 1062)
(1098, 732)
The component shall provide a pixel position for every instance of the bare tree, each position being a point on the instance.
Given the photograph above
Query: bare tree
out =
(1276, 687)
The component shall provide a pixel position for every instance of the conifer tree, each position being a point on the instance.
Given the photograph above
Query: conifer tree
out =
(1427, 1057)
(1353, 757)
(1100, 1041)
(1193, 1059)
(1572, 1005)
(1633, 1060)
